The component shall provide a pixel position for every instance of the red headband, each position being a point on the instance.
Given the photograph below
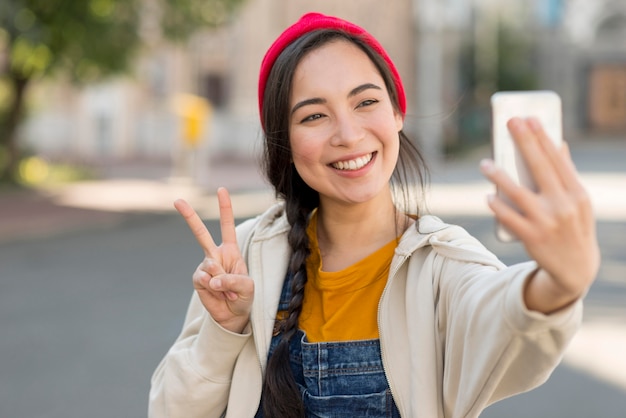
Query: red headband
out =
(315, 21)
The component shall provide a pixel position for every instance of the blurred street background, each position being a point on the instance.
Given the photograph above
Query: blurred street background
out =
(111, 109)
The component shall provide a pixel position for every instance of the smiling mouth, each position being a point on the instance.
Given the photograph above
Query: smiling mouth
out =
(355, 164)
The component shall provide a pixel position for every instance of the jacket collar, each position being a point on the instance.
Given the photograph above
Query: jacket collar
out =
(450, 240)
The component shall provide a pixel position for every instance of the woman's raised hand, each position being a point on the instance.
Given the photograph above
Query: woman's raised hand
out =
(556, 224)
(221, 279)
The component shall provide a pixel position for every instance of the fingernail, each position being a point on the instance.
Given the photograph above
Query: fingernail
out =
(486, 166)
(215, 283)
(514, 123)
(534, 123)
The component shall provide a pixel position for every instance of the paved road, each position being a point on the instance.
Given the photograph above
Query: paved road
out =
(86, 316)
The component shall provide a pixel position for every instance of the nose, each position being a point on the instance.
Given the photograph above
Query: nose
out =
(348, 130)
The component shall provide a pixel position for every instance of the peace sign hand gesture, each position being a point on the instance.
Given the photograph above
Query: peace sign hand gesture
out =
(221, 279)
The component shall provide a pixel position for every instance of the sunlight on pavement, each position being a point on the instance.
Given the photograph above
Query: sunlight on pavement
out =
(129, 195)
(245, 205)
(607, 192)
(598, 350)
(125, 195)
(443, 199)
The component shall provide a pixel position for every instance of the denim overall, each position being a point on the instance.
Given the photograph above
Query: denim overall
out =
(337, 379)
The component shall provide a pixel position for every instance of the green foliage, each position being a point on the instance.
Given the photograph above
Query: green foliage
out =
(514, 63)
(514, 70)
(184, 16)
(35, 172)
(85, 39)
(92, 38)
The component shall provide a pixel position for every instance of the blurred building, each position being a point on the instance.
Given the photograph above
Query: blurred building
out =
(583, 56)
(578, 49)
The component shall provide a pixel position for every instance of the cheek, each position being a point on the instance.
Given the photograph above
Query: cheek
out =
(392, 153)
(392, 144)
(304, 152)
(388, 131)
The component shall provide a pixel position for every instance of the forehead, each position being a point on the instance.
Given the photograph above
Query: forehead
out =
(334, 62)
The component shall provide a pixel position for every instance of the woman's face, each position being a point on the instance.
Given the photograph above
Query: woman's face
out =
(343, 128)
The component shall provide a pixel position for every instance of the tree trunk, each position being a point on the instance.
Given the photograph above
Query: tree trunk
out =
(8, 138)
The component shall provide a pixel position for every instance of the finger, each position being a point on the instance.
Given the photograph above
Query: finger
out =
(201, 279)
(203, 282)
(507, 216)
(207, 269)
(570, 176)
(212, 267)
(509, 192)
(533, 154)
(557, 154)
(577, 189)
(565, 168)
(227, 219)
(233, 285)
(217, 285)
(197, 227)
(208, 276)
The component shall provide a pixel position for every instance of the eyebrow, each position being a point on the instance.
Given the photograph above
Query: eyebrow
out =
(319, 100)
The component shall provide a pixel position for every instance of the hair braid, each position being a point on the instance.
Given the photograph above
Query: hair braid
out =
(281, 396)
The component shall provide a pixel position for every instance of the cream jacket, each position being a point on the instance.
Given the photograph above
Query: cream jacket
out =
(455, 334)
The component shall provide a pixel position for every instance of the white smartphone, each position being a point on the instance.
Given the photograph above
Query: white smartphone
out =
(544, 105)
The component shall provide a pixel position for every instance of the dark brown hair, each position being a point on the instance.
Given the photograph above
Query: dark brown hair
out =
(281, 396)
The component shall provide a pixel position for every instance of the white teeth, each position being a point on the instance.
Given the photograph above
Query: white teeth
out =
(353, 164)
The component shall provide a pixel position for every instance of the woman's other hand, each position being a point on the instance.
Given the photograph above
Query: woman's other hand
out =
(556, 223)
(221, 279)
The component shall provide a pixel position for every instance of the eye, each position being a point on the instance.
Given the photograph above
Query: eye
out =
(312, 117)
(367, 102)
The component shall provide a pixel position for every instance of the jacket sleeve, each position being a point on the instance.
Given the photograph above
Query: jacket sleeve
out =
(494, 347)
(193, 379)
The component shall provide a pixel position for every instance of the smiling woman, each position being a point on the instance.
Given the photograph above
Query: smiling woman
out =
(343, 127)
(339, 301)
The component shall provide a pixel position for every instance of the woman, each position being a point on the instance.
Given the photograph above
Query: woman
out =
(336, 302)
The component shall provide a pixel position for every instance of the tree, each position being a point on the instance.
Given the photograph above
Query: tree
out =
(85, 39)
(510, 66)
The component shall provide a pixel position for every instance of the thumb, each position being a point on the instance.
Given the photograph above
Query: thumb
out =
(217, 284)
(216, 271)
(233, 286)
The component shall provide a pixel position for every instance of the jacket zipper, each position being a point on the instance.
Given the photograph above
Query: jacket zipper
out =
(256, 337)
(245, 254)
(383, 352)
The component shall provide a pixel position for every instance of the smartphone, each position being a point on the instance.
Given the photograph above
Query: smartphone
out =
(545, 105)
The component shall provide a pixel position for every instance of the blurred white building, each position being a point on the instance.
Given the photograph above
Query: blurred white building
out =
(580, 53)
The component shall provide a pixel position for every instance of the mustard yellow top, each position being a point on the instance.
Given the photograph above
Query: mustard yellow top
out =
(343, 305)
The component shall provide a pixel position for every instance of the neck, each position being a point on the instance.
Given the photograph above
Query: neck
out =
(357, 228)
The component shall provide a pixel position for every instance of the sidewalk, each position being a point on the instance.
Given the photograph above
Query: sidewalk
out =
(457, 188)
(127, 190)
